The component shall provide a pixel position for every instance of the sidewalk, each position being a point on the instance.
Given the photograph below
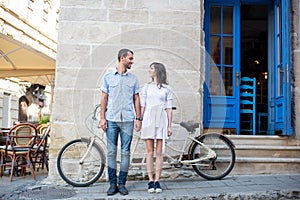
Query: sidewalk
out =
(275, 186)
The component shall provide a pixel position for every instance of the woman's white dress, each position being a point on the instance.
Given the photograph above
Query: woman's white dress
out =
(155, 119)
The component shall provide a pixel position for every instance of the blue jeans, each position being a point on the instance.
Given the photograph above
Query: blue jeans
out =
(125, 130)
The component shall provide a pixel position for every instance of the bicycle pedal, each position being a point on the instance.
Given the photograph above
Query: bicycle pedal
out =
(179, 165)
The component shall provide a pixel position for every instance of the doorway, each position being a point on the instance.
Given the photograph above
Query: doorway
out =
(247, 38)
(254, 61)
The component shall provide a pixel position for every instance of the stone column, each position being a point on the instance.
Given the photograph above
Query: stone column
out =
(295, 38)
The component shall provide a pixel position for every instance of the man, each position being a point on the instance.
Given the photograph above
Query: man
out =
(120, 98)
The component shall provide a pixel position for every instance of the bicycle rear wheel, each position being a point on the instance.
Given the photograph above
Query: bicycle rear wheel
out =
(222, 164)
(75, 172)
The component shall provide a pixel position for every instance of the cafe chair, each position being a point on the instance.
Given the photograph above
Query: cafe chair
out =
(40, 151)
(16, 153)
(248, 105)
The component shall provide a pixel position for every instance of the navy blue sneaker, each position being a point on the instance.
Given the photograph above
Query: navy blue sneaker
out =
(151, 187)
(157, 187)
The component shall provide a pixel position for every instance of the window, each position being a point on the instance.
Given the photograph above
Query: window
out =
(6, 108)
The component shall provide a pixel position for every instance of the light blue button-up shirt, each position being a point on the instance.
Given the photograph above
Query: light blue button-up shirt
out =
(120, 89)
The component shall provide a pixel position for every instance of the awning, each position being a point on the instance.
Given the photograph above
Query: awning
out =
(24, 62)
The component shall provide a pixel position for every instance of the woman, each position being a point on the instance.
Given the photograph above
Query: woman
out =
(156, 109)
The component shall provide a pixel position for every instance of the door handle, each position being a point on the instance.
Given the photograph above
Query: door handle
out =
(237, 76)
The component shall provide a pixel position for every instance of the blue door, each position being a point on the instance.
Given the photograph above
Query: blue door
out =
(247, 38)
(280, 122)
(221, 94)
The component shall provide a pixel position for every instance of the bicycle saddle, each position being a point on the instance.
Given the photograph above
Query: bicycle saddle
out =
(189, 126)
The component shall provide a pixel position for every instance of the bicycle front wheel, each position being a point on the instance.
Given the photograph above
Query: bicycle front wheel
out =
(78, 165)
(219, 166)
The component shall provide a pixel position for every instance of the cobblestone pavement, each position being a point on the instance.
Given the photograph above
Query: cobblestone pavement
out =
(262, 187)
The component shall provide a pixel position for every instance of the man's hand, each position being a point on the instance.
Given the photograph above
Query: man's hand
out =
(103, 124)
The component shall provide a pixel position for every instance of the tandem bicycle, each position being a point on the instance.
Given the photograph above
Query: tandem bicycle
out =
(81, 162)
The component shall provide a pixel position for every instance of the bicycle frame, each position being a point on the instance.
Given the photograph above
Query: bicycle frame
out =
(211, 153)
(93, 140)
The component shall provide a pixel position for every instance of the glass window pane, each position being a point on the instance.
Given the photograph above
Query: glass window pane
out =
(280, 49)
(227, 81)
(215, 20)
(227, 50)
(228, 20)
(214, 84)
(279, 34)
(280, 17)
(215, 50)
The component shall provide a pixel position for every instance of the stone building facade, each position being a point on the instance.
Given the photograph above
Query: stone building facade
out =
(172, 32)
(90, 35)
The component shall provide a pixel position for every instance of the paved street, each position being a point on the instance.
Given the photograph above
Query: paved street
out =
(232, 187)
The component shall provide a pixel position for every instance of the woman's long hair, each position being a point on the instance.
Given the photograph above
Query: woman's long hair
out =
(160, 73)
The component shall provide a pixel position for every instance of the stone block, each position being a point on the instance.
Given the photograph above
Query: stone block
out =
(84, 103)
(170, 18)
(192, 32)
(296, 63)
(88, 33)
(103, 56)
(144, 37)
(176, 40)
(82, 14)
(66, 77)
(136, 4)
(129, 16)
(190, 5)
(72, 55)
(184, 81)
(157, 5)
(103, 32)
(61, 134)
(63, 104)
(82, 3)
(187, 108)
(115, 3)
(88, 78)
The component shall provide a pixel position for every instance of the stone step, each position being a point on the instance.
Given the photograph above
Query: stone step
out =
(260, 140)
(266, 154)
(255, 165)
(260, 151)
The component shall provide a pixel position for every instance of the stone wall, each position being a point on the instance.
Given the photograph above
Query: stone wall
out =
(90, 35)
(295, 33)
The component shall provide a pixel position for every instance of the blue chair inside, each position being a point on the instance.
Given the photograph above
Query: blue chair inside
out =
(248, 105)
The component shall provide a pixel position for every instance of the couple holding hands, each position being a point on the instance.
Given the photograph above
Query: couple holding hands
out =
(124, 108)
